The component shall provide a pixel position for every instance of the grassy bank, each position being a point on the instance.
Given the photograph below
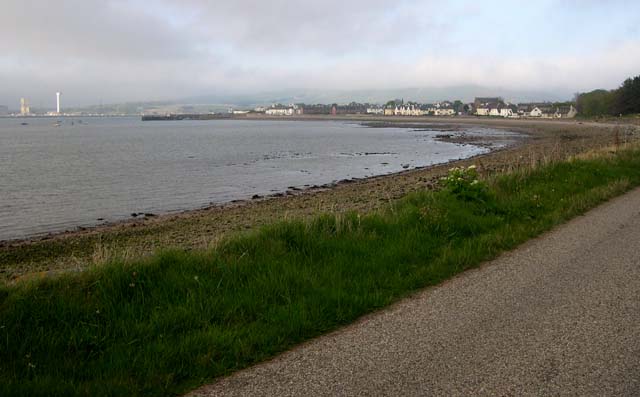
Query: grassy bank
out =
(173, 321)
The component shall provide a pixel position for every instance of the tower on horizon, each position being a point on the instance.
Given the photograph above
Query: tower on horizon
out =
(58, 102)
(24, 107)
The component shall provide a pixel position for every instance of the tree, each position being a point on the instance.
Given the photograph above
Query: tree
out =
(628, 97)
(595, 103)
(458, 106)
(624, 100)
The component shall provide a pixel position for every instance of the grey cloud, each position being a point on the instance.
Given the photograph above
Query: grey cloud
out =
(87, 29)
(119, 50)
(327, 27)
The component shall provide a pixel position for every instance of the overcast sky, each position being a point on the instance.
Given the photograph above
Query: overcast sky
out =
(128, 50)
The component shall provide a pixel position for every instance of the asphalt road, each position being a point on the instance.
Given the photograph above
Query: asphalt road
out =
(560, 315)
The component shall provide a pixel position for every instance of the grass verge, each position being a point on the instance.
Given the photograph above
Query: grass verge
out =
(165, 324)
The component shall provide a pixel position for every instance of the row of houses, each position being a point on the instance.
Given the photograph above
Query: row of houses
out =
(299, 109)
(419, 110)
(547, 111)
(280, 110)
(489, 107)
(496, 107)
(481, 106)
(393, 108)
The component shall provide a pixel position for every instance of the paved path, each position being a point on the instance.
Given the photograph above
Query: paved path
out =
(558, 316)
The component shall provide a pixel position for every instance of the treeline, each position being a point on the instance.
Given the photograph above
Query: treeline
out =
(621, 101)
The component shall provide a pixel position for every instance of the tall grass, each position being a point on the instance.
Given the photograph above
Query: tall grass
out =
(165, 324)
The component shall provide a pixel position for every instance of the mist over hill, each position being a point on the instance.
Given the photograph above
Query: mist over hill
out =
(222, 102)
(465, 93)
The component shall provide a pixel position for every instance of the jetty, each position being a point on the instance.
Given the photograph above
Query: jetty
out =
(187, 116)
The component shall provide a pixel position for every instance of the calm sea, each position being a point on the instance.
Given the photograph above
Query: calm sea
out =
(88, 171)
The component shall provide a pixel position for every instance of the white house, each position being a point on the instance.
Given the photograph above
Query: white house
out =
(495, 109)
(500, 110)
(444, 112)
(408, 110)
(567, 112)
(506, 112)
(280, 112)
(535, 112)
(547, 110)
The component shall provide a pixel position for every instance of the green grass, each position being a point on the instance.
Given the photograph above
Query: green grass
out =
(165, 324)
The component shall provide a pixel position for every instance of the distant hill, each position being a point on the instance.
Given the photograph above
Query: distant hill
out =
(465, 93)
(222, 102)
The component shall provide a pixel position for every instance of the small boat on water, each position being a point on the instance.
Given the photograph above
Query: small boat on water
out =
(24, 123)
(57, 123)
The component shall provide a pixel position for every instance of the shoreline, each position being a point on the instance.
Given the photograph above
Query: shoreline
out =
(141, 218)
(204, 227)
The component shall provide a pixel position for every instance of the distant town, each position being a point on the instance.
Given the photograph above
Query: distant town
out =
(491, 107)
(481, 106)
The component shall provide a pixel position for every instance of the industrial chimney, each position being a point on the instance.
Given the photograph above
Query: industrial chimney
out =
(58, 102)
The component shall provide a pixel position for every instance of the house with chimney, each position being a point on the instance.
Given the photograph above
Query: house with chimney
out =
(487, 106)
(444, 109)
(409, 109)
(547, 110)
(493, 107)
(281, 110)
